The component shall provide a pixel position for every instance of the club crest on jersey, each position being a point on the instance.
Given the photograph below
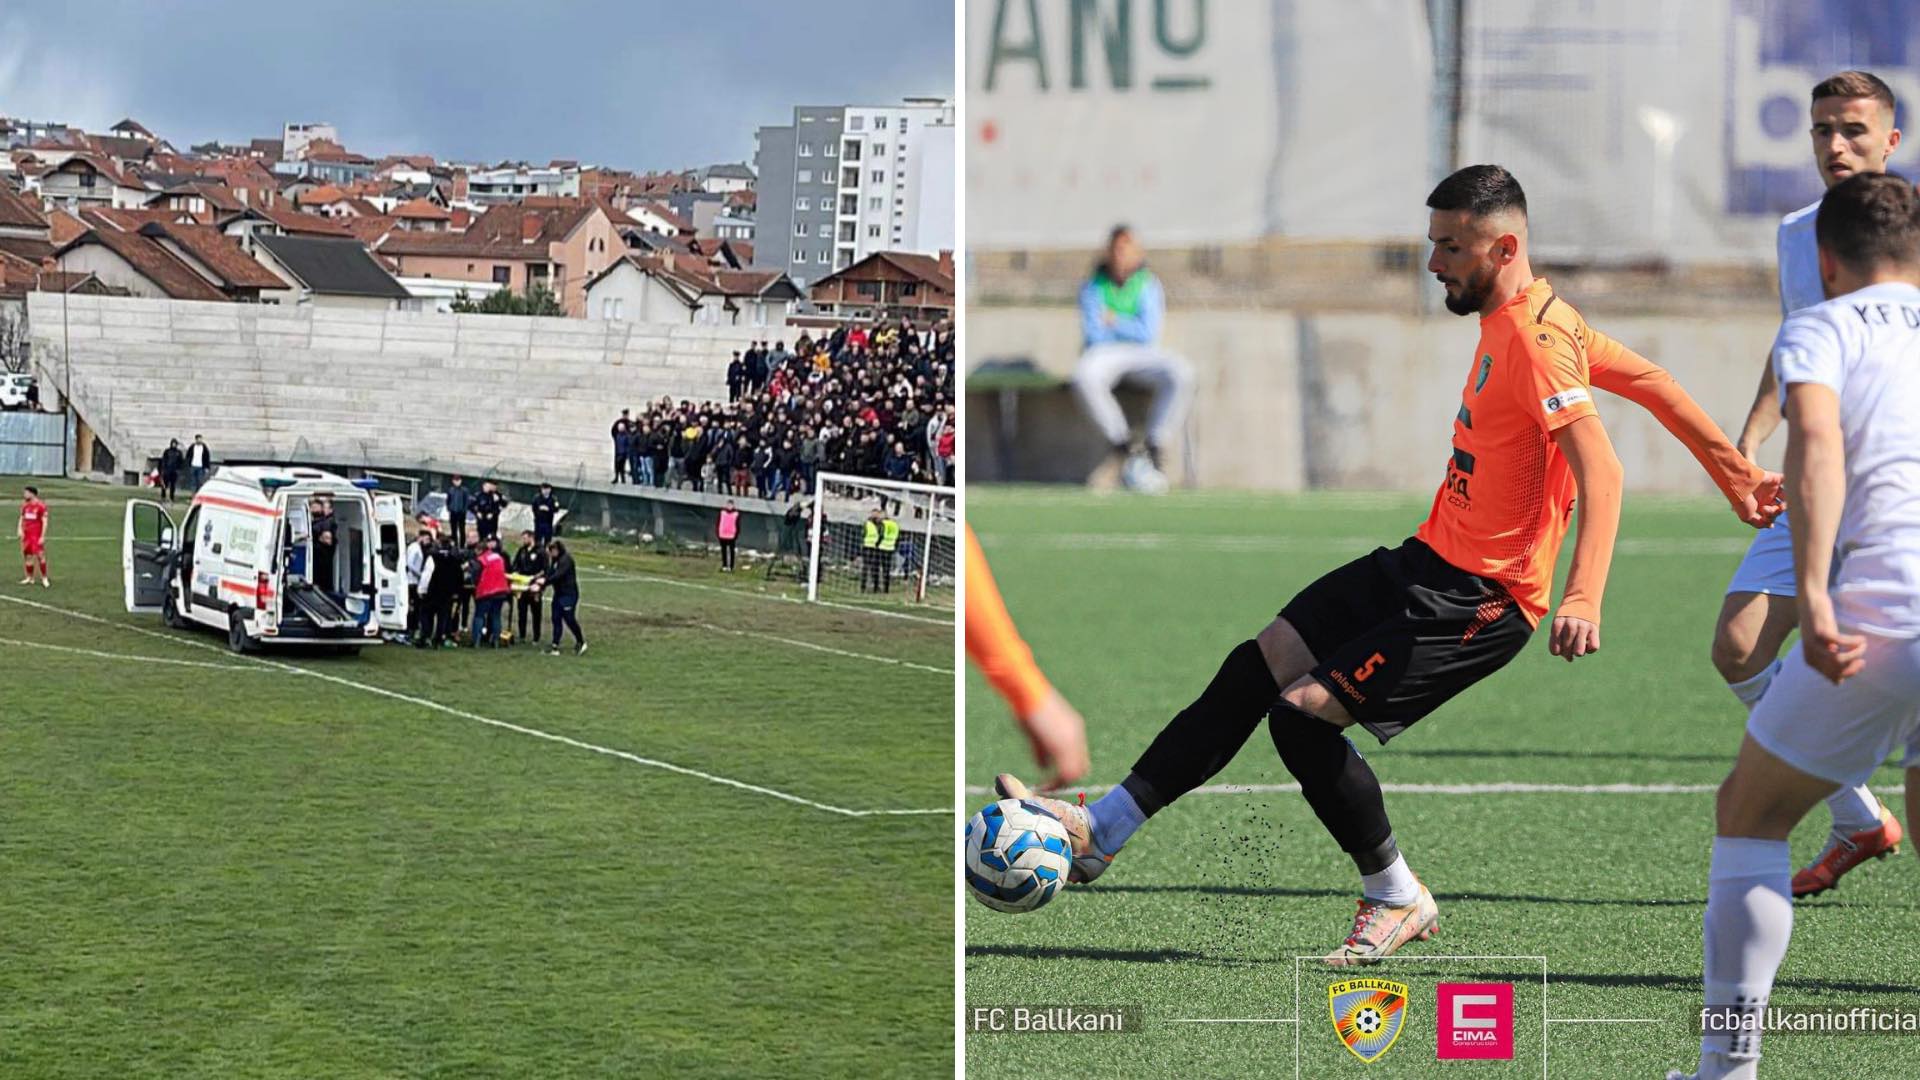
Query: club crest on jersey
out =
(1368, 1015)
(1486, 369)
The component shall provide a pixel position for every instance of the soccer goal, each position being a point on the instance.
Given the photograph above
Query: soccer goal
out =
(903, 557)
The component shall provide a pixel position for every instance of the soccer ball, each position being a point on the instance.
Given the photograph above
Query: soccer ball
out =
(1368, 1020)
(1017, 856)
(1139, 475)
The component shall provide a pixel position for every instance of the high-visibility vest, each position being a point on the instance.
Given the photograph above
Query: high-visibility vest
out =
(889, 534)
(870, 537)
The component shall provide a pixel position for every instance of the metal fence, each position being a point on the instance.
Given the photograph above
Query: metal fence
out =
(30, 443)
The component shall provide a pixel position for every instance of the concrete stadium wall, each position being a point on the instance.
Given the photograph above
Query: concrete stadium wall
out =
(518, 397)
(1362, 401)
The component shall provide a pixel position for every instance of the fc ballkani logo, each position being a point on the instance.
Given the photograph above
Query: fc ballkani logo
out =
(1368, 1015)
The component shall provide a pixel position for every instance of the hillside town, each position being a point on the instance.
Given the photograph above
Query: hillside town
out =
(302, 219)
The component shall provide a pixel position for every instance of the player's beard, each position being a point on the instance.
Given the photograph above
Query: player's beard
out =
(1473, 292)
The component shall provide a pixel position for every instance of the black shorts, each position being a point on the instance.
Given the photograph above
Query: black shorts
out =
(1399, 632)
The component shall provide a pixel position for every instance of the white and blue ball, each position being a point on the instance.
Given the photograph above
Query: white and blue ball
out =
(1017, 856)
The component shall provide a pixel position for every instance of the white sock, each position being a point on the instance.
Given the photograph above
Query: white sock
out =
(1749, 919)
(1750, 691)
(1855, 809)
(1113, 818)
(1395, 885)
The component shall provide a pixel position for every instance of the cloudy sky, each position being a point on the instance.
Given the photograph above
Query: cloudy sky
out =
(644, 84)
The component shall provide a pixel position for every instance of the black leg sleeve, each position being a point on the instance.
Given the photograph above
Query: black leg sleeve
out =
(1206, 735)
(1338, 783)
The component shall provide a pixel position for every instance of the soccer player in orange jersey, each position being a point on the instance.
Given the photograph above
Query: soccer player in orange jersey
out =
(1058, 734)
(1391, 636)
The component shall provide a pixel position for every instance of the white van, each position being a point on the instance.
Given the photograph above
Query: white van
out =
(243, 560)
(13, 390)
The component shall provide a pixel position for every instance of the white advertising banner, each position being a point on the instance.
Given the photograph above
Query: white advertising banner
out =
(1646, 129)
(1196, 121)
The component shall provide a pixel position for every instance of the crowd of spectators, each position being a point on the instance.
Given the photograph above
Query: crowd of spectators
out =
(867, 400)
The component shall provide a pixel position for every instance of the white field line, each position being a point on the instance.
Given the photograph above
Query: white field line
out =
(99, 655)
(795, 642)
(948, 621)
(601, 573)
(1059, 495)
(1055, 495)
(1505, 787)
(655, 763)
(1733, 544)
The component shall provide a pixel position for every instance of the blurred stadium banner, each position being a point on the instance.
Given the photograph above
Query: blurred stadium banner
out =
(1210, 121)
(1642, 130)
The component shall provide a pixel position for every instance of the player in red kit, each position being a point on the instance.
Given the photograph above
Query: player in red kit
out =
(33, 536)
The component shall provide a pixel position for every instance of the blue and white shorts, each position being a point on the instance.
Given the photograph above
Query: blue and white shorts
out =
(1768, 565)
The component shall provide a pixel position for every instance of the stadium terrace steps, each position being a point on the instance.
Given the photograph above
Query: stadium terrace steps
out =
(459, 391)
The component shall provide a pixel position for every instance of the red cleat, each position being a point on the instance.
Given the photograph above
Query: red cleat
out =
(1844, 853)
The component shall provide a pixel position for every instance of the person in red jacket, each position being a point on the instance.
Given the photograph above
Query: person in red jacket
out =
(490, 593)
(729, 533)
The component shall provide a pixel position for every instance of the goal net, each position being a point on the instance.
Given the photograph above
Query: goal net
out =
(882, 543)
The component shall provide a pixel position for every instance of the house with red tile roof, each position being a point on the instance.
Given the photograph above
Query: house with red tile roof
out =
(217, 258)
(131, 220)
(370, 230)
(63, 226)
(320, 195)
(556, 242)
(889, 284)
(130, 128)
(17, 280)
(206, 201)
(135, 263)
(684, 289)
(24, 243)
(422, 215)
(86, 178)
(658, 217)
(249, 181)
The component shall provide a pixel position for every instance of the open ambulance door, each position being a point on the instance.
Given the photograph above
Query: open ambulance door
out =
(390, 563)
(147, 545)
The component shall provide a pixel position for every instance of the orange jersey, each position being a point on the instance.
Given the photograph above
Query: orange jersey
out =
(1507, 500)
(993, 643)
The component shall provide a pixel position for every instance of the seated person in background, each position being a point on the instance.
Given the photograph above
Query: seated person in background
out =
(1121, 310)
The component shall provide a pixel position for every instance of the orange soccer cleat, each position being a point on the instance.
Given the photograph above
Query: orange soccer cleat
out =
(1379, 930)
(1089, 861)
(1843, 853)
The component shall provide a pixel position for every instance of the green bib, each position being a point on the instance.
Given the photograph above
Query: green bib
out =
(1123, 299)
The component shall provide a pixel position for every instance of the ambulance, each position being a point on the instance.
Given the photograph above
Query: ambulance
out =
(245, 560)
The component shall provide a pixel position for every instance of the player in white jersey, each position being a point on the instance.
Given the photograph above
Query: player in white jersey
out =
(1853, 133)
(1849, 373)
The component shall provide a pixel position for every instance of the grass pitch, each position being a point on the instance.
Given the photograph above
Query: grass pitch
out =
(1130, 604)
(222, 867)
